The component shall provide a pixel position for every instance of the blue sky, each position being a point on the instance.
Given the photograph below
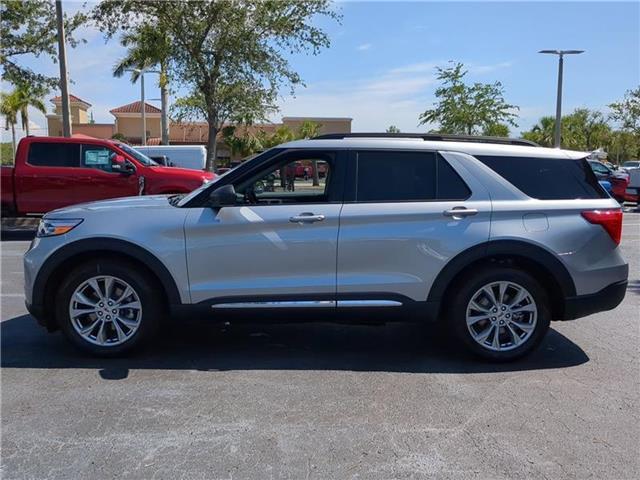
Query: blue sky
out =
(380, 67)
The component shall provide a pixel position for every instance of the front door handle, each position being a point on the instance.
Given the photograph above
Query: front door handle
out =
(306, 217)
(458, 213)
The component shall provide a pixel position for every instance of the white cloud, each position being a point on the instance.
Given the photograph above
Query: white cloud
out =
(482, 69)
(396, 97)
(363, 47)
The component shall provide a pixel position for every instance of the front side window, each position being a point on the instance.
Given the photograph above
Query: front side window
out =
(42, 154)
(391, 176)
(299, 180)
(98, 157)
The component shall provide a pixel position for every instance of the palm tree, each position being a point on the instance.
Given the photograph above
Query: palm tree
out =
(543, 132)
(148, 47)
(26, 95)
(9, 110)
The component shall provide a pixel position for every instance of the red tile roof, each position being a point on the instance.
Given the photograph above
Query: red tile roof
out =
(135, 108)
(72, 98)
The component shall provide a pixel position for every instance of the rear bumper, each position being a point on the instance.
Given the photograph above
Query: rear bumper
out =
(606, 299)
(631, 194)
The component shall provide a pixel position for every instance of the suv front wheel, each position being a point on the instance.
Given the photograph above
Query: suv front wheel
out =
(107, 307)
(500, 313)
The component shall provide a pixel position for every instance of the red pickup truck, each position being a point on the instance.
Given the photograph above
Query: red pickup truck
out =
(53, 172)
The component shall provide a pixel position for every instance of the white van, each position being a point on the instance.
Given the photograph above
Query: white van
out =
(184, 156)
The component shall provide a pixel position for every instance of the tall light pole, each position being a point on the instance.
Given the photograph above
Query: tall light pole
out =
(141, 72)
(561, 54)
(64, 79)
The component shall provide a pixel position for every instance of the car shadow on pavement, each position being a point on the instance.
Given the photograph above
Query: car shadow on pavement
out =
(206, 347)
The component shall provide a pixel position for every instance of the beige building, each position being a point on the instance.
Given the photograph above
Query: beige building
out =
(128, 121)
(128, 124)
(80, 120)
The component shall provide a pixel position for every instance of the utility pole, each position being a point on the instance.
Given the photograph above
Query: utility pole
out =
(64, 78)
(561, 54)
(143, 107)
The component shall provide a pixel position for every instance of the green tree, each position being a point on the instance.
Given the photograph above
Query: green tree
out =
(467, 109)
(28, 27)
(9, 108)
(393, 129)
(27, 95)
(230, 53)
(148, 47)
(585, 130)
(627, 111)
(119, 136)
(542, 132)
(582, 129)
(496, 130)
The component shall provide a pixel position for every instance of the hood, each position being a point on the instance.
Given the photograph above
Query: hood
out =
(144, 201)
(183, 173)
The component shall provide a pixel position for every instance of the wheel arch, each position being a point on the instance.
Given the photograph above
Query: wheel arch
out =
(67, 257)
(542, 264)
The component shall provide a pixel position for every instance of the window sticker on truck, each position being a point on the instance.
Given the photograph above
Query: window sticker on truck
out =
(96, 157)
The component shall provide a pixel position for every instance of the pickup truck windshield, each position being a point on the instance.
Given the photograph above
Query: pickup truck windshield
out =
(142, 158)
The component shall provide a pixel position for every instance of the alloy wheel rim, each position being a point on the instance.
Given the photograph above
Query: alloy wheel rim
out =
(105, 310)
(501, 316)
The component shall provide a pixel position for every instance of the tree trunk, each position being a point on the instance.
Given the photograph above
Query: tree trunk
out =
(13, 141)
(212, 147)
(25, 121)
(316, 174)
(164, 99)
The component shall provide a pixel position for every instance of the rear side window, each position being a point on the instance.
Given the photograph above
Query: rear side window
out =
(54, 154)
(388, 176)
(548, 178)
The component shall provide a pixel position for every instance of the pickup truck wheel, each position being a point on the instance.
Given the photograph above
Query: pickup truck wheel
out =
(107, 307)
(500, 313)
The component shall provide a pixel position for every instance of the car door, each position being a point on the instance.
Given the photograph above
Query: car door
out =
(406, 214)
(96, 180)
(46, 180)
(277, 247)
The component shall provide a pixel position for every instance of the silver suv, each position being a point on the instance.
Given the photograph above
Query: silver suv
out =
(495, 237)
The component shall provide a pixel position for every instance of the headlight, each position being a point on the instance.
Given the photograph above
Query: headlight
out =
(50, 227)
(205, 180)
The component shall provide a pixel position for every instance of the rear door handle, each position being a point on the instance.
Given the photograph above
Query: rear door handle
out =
(458, 213)
(306, 217)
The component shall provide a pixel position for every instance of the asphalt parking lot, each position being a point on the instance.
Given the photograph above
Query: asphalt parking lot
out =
(322, 401)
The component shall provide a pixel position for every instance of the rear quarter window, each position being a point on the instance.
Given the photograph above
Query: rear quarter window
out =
(42, 154)
(547, 178)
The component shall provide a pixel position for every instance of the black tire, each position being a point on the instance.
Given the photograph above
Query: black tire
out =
(465, 291)
(142, 283)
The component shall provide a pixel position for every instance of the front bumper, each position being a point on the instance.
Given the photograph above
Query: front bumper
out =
(606, 299)
(38, 312)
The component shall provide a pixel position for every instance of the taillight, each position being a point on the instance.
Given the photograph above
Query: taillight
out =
(610, 220)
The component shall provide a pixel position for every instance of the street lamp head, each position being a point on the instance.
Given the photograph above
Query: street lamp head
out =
(562, 52)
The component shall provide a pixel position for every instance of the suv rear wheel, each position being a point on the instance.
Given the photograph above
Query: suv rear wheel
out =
(501, 313)
(107, 307)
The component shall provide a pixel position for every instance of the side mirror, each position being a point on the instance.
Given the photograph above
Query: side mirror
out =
(224, 196)
(119, 164)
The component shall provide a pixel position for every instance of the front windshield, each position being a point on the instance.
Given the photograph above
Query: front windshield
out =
(246, 164)
(141, 157)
